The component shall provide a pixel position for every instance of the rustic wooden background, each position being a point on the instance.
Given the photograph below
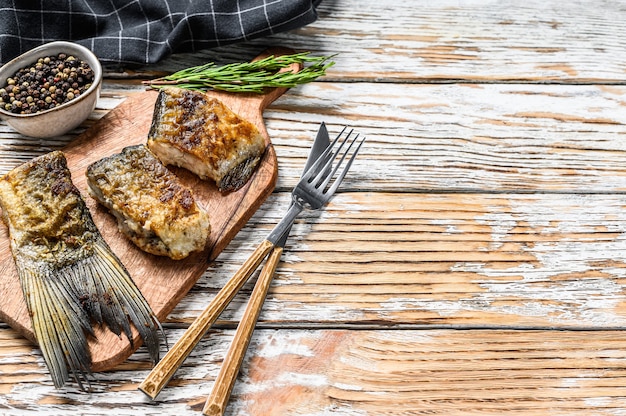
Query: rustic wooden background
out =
(474, 261)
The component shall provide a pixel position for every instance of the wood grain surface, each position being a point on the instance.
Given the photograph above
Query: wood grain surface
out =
(474, 260)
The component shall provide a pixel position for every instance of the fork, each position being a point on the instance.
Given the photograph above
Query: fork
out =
(165, 369)
(313, 192)
(314, 189)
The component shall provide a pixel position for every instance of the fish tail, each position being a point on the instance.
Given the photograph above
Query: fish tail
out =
(59, 325)
(64, 302)
(126, 301)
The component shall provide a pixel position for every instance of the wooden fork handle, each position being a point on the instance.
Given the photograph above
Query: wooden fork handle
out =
(223, 386)
(165, 369)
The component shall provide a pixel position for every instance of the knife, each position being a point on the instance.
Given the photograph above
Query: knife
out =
(218, 399)
(167, 366)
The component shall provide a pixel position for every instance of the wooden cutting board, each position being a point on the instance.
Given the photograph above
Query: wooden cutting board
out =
(162, 281)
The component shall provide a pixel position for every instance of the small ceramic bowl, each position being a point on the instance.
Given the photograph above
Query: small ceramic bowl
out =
(58, 120)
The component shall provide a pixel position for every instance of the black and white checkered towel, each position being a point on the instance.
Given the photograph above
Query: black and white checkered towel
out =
(136, 32)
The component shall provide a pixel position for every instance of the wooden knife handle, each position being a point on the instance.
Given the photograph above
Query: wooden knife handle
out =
(165, 369)
(217, 401)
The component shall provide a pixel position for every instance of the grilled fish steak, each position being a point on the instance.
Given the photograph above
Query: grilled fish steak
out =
(69, 275)
(153, 208)
(199, 133)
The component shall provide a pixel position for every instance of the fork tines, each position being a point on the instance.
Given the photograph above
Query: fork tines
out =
(319, 176)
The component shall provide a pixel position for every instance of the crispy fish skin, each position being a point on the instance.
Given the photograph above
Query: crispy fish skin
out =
(68, 273)
(199, 133)
(153, 208)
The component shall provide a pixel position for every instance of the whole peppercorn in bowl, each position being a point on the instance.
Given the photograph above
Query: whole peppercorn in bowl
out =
(50, 89)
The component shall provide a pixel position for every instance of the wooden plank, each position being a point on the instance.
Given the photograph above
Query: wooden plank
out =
(379, 259)
(467, 138)
(451, 40)
(441, 138)
(315, 372)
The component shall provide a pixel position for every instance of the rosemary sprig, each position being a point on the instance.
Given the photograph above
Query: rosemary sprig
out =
(252, 77)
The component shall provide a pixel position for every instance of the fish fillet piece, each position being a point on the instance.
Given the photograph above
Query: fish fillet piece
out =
(153, 208)
(199, 133)
(69, 276)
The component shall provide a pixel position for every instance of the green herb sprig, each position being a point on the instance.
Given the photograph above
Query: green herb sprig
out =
(249, 77)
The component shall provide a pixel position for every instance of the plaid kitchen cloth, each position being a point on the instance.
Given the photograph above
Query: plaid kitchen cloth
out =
(137, 32)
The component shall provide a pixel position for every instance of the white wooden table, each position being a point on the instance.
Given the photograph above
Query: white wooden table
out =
(474, 261)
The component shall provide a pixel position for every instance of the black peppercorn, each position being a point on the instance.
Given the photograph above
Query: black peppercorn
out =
(49, 82)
